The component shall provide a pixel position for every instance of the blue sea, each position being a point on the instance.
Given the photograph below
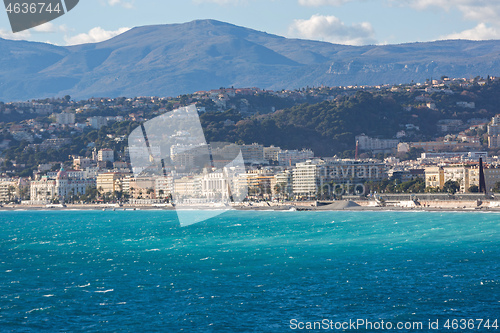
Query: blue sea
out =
(246, 271)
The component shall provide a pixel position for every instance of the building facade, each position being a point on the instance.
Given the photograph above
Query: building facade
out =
(292, 157)
(106, 155)
(62, 188)
(111, 182)
(465, 175)
(494, 133)
(9, 189)
(65, 118)
(376, 145)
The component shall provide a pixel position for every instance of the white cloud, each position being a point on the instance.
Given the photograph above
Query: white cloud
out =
(485, 11)
(6, 34)
(316, 3)
(332, 29)
(480, 32)
(222, 2)
(95, 35)
(49, 27)
(125, 4)
(481, 11)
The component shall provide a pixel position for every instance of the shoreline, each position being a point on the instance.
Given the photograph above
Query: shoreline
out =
(353, 206)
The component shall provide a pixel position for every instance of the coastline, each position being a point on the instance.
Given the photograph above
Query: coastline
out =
(345, 205)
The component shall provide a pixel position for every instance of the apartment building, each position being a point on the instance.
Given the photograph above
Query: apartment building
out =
(491, 176)
(376, 145)
(109, 182)
(106, 155)
(97, 122)
(142, 188)
(310, 176)
(465, 175)
(65, 118)
(494, 133)
(282, 184)
(271, 153)
(434, 177)
(8, 189)
(253, 154)
(187, 189)
(292, 157)
(164, 187)
(307, 177)
(81, 163)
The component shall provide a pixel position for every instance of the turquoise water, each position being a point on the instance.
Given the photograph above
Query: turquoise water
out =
(122, 271)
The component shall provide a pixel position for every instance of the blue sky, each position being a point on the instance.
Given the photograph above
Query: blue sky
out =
(354, 22)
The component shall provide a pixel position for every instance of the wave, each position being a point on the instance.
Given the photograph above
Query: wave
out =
(104, 291)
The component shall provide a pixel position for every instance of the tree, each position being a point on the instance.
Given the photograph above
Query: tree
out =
(324, 192)
(90, 195)
(10, 190)
(451, 187)
(7, 164)
(416, 185)
(24, 193)
(496, 188)
(474, 189)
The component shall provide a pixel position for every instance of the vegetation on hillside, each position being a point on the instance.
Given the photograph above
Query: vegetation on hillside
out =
(328, 128)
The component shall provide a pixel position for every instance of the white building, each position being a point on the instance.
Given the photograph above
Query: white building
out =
(355, 171)
(65, 118)
(187, 190)
(292, 157)
(271, 153)
(8, 189)
(376, 145)
(97, 122)
(106, 155)
(283, 184)
(43, 191)
(312, 175)
(215, 186)
(307, 176)
(62, 188)
(464, 175)
(164, 187)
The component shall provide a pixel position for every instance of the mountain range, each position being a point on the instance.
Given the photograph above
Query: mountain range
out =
(168, 60)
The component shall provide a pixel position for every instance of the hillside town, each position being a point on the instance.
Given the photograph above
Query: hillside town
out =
(101, 170)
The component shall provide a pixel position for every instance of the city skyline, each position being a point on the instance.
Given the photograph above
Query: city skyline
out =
(110, 171)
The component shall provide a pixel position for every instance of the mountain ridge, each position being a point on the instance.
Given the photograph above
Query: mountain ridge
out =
(173, 59)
